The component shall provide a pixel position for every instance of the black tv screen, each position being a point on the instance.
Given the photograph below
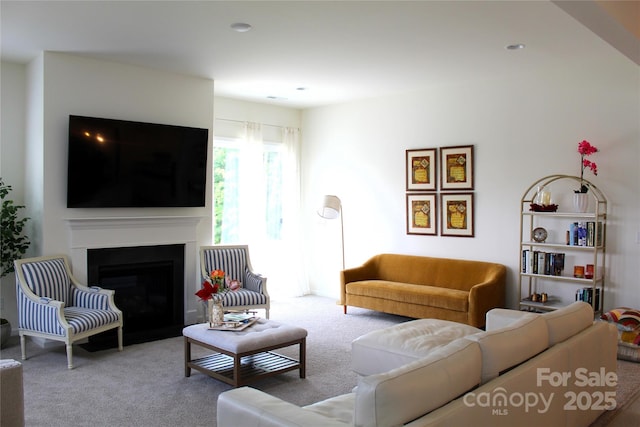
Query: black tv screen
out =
(119, 163)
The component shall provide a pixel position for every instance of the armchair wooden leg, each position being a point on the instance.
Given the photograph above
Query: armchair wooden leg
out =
(120, 338)
(344, 309)
(69, 356)
(23, 347)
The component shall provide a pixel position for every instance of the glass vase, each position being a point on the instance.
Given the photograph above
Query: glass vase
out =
(543, 196)
(215, 311)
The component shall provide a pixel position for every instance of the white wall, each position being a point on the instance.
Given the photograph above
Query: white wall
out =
(229, 114)
(12, 99)
(52, 87)
(523, 128)
(83, 86)
(12, 110)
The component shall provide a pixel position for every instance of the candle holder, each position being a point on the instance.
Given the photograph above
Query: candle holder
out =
(589, 272)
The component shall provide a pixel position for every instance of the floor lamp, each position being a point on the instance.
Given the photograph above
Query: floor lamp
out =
(332, 208)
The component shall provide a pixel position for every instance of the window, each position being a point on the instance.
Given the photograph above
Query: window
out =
(246, 190)
(256, 200)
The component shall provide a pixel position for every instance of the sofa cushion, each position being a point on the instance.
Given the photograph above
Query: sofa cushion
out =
(507, 347)
(403, 394)
(497, 318)
(443, 272)
(338, 408)
(568, 321)
(384, 349)
(433, 296)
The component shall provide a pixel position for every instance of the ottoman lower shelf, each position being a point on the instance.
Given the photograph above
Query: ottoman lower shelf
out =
(252, 367)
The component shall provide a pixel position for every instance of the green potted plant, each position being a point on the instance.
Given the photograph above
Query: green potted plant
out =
(13, 245)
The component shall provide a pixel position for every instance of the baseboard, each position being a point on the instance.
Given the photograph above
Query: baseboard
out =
(45, 343)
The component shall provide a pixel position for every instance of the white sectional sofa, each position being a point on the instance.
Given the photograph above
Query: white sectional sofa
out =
(526, 369)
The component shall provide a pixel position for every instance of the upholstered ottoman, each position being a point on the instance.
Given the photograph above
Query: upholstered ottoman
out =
(241, 357)
(11, 393)
(388, 348)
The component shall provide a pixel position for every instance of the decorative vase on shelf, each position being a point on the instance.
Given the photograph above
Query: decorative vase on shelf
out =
(215, 311)
(580, 202)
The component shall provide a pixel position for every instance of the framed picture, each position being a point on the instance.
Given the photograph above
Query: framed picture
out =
(422, 214)
(421, 169)
(457, 168)
(456, 214)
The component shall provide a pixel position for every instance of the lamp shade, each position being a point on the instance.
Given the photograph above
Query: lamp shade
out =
(330, 208)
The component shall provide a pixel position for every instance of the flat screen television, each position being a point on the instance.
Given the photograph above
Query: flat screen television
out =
(119, 163)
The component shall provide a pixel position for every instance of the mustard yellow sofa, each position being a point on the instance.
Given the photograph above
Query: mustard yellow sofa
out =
(425, 287)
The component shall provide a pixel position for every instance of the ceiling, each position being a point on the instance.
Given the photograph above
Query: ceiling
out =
(304, 54)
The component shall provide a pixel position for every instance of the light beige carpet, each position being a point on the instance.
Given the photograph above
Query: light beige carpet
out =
(628, 390)
(145, 384)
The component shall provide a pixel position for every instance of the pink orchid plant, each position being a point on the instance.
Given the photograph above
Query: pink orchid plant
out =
(586, 149)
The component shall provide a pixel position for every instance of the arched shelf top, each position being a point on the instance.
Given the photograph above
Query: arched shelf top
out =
(546, 181)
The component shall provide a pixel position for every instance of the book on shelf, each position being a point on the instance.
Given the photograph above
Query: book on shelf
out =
(585, 233)
(540, 262)
(540, 267)
(586, 295)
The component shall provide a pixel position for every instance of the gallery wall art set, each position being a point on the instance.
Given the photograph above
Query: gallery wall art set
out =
(440, 186)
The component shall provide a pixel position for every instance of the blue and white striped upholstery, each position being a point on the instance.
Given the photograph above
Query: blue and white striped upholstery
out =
(230, 260)
(51, 304)
(48, 279)
(89, 299)
(234, 261)
(39, 317)
(85, 319)
(243, 297)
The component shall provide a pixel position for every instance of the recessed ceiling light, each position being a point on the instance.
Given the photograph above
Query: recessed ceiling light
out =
(301, 88)
(515, 46)
(241, 27)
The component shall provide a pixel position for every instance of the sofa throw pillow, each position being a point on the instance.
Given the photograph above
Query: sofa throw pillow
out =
(628, 322)
(233, 284)
(626, 319)
(632, 338)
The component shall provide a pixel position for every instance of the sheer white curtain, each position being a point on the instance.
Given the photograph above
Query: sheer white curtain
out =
(291, 224)
(251, 195)
(243, 187)
(246, 184)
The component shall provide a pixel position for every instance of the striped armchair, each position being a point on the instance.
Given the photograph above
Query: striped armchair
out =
(53, 305)
(234, 261)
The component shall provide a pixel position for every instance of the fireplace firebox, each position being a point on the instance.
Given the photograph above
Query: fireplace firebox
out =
(149, 289)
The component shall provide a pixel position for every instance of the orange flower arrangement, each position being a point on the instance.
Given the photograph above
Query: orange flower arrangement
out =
(214, 285)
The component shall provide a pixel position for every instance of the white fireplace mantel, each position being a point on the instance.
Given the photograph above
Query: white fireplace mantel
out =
(110, 223)
(110, 232)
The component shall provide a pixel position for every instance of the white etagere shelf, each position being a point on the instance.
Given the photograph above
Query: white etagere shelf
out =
(559, 284)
